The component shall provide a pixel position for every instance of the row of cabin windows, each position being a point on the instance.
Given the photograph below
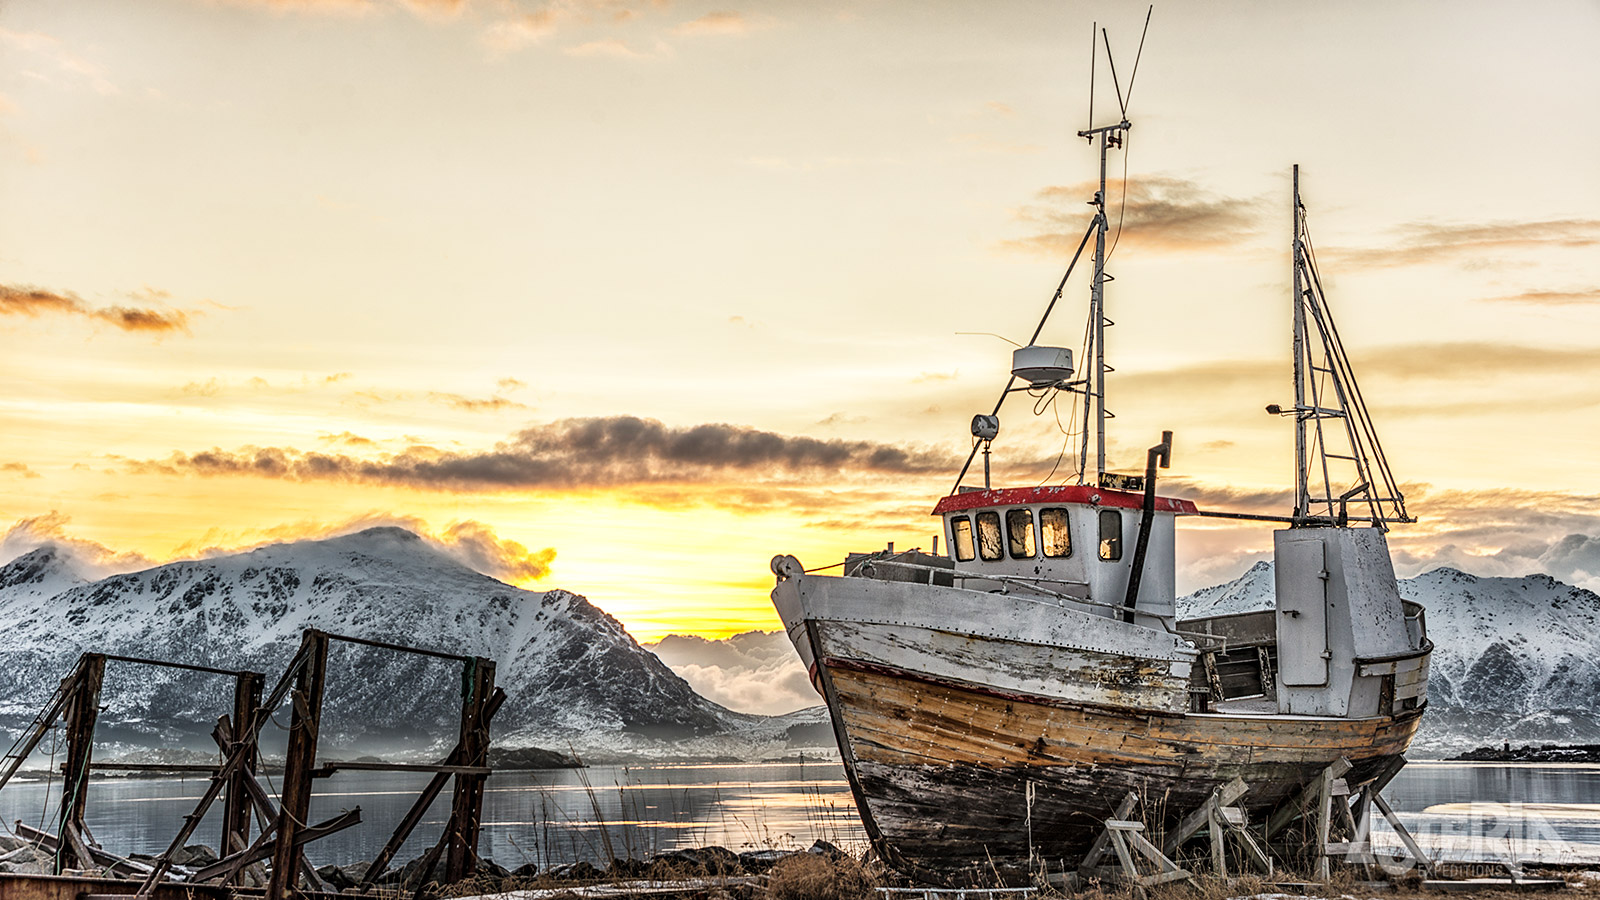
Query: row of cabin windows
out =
(1019, 538)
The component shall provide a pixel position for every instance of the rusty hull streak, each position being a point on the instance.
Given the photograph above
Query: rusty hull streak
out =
(941, 770)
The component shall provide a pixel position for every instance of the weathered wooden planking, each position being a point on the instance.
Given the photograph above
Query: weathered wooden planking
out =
(943, 769)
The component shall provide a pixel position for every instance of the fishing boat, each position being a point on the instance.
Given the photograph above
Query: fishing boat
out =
(993, 703)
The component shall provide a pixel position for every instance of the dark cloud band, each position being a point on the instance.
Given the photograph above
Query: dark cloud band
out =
(578, 453)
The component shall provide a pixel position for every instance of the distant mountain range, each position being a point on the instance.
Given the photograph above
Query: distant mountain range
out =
(575, 679)
(1515, 659)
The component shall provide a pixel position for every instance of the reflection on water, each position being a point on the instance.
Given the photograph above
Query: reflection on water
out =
(544, 816)
(1456, 810)
(1498, 811)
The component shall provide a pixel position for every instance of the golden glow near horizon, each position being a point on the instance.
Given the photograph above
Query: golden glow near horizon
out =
(633, 295)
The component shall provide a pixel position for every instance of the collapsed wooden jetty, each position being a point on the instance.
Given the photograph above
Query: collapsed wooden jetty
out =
(272, 864)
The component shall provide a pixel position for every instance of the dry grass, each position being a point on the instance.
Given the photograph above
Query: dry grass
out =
(811, 876)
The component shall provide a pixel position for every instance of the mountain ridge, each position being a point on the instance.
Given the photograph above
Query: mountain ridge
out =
(574, 677)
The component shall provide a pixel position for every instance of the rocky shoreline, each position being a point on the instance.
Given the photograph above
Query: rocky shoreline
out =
(1566, 753)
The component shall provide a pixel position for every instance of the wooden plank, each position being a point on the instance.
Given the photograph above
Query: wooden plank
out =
(461, 858)
(1404, 834)
(1223, 795)
(265, 847)
(299, 759)
(82, 711)
(330, 768)
(1219, 851)
(236, 802)
(1097, 850)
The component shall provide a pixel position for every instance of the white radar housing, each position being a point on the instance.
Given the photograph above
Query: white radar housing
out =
(1041, 366)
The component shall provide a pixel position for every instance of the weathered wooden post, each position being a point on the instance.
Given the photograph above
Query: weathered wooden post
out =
(477, 687)
(299, 759)
(83, 708)
(236, 803)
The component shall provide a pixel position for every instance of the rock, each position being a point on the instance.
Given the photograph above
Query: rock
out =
(578, 871)
(27, 860)
(195, 856)
(526, 870)
(335, 877)
(488, 868)
(352, 873)
(698, 861)
(823, 848)
(758, 861)
(411, 873)
(628, 868)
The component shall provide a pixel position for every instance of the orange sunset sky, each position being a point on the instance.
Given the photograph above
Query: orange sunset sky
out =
(626, 296)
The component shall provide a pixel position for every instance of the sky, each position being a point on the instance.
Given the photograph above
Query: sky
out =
(627, 296)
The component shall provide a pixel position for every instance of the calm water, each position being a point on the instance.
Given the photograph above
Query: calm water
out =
(1456, 810)
(545, 816)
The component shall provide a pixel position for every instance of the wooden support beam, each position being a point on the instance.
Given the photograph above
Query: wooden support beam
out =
(466, 807)
(420, 807)
(41, 724)
(327, 769)
(127, 868)
(83, 709)
(1295, 808)
(1405, 835)
(1125, 838)
(299, 759)
(1224, 795)
(236, 802)
(1102, 842)
(429, 860)
(266, 846)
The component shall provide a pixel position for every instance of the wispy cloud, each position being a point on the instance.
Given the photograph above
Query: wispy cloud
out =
(496, 403)
(33, 302)
(519, 31)
(756, 672)
(1588, 297)
(718, 22)
(52, 50)
(1158, 212)
(1473, 244)
(16, 468)
(573, 454)
(87, 559)
(617, 49)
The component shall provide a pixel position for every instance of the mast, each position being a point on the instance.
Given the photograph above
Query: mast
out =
(1301, 488)
(1339, 462)
(1094, 393)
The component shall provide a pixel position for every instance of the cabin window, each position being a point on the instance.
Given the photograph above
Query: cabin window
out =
(1019, 528)
(1110, 535)
(989, 535)
(961, 538)
(1053, 529)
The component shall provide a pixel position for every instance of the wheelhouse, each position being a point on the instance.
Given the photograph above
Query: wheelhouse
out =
(1075, 543)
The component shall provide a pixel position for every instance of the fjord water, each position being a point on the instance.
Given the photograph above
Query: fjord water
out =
(1492, 811)
(545, 817)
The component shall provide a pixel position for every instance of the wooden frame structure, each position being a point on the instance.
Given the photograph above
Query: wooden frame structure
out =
(284, 829)
(77, 701)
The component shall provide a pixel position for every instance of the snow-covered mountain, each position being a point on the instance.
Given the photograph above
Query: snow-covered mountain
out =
(1515, 659)
(573, 676)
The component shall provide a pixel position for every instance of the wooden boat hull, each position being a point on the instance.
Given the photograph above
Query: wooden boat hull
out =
(941, 771)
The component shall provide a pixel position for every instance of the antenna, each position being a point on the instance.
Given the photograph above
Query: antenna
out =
(1114, 83)
(1093, 47)
(1140, 54)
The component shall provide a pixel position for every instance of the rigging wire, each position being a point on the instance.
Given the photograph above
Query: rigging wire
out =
(1122, 209)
